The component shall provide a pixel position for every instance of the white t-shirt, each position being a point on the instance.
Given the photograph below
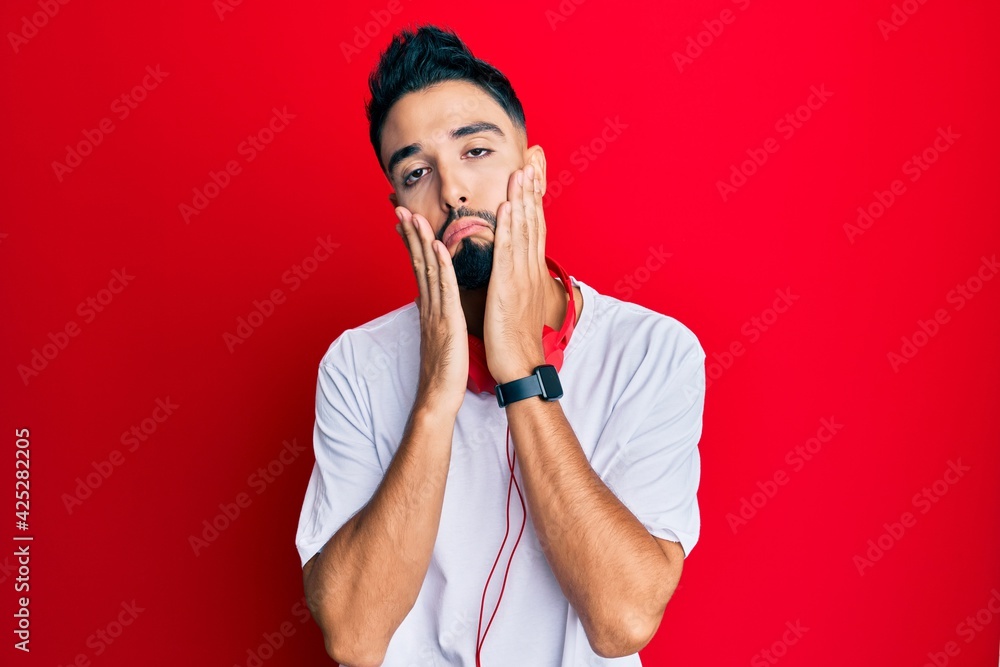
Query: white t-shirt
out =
(634, 387)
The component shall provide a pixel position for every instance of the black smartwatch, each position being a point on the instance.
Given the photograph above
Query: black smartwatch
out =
(543, 382)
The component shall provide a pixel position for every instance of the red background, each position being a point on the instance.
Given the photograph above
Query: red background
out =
(161, 337)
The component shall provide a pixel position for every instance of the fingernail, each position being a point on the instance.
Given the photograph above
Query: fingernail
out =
(529, 171)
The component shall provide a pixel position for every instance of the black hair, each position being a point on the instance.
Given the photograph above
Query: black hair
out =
(415, 60)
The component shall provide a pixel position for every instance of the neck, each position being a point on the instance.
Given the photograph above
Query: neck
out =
(474, 305)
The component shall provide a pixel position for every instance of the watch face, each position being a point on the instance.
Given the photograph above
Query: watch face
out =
(549, 378)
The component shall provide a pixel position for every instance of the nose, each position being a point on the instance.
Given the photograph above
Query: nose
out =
(454, 190)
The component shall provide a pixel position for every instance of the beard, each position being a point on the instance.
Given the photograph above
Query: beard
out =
(473, 261)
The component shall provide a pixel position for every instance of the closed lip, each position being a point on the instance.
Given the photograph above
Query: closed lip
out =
(462, 224)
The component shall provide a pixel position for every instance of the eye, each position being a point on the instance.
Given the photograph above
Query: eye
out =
(406, 181)
(486, 153)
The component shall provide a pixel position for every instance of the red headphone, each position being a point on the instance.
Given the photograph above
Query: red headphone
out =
(481, 381)
(553, 342)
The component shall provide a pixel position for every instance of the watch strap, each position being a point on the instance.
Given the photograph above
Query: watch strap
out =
(517, 390)
(533, 385)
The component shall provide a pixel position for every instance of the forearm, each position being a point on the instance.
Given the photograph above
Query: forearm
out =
(367, 577)
(609, 567)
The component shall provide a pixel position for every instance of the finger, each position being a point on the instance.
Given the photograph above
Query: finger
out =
(519, 229)
(448, 280)
(516, 229)
(541, 224)
(412, 238)
(403, 226)
(501, 236)
(430, 262)
(531, 220)
(502, 233)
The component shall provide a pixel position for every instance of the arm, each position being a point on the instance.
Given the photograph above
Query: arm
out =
(616, 575)
(366, 579)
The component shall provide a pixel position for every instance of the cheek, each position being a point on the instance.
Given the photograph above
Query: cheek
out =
(420, 202)
(492, 188)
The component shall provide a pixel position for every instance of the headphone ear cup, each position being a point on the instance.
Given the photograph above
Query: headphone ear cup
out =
(551, 347)
(480, 379)
(555, 357)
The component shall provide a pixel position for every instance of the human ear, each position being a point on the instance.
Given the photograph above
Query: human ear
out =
(535, 156)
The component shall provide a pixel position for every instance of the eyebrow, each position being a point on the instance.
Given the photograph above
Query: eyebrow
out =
(459, 132)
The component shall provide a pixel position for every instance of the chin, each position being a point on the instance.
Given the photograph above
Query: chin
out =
(473, 264)
(473, 240)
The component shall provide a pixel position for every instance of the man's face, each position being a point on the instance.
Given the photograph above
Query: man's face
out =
(450, 150)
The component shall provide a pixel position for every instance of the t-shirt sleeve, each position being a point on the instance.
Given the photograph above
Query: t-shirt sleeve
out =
(347, 470)
(659, 469)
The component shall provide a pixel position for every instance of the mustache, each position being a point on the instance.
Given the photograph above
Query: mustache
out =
(464, 212)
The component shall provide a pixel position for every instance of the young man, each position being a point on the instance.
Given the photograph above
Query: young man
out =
(406, 510)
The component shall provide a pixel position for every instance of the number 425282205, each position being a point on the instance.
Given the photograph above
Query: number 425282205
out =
(21, 482)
